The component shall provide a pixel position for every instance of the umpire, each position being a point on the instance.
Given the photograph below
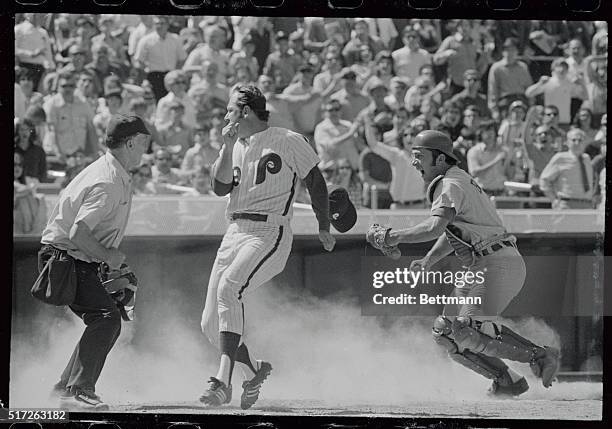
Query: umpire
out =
(88, 224)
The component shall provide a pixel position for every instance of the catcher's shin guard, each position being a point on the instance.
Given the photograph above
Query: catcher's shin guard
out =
(499, 341)
(504, 383)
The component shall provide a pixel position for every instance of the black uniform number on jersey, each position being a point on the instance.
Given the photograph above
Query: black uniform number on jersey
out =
(269, 163)
(473, 182)
(236, 179)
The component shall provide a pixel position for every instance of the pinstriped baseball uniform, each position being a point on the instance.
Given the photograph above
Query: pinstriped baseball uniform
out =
(267, 169)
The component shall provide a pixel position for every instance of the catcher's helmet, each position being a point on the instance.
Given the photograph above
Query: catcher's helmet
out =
(431, 139)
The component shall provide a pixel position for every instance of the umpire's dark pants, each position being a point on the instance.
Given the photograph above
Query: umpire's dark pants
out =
(102, 320)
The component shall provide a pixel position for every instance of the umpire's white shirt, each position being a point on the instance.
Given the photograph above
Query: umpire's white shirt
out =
(100, 196)
(267, 167)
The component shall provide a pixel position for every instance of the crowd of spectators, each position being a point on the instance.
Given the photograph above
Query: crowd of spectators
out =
(523, 101)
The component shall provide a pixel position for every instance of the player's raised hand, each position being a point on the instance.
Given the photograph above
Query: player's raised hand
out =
(327, 240)
(230, 133)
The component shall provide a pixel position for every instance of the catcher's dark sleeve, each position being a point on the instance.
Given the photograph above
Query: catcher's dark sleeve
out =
(318, 196)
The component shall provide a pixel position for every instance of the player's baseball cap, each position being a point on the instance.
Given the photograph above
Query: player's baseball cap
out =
(431, 139)
(342, 213)
(121, 126)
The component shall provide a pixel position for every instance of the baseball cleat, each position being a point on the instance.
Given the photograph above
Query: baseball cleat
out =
(547, 365)
(252, 387)
(217, 393)
(82, 399)
(503, 388)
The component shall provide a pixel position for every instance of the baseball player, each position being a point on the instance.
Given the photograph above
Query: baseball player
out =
(464, 220)
(259, 168)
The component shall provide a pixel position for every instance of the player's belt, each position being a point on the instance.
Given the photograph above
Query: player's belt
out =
(256, 217)
(495, 247)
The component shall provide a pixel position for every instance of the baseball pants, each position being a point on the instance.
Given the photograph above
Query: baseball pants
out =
(504, 276)
(102, 320)
(250, 254)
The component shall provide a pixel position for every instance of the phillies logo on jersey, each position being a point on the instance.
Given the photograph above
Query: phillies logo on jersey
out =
(237, 174)
(269, 163)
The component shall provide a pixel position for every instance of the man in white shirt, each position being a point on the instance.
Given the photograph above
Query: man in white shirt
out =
(33, 47)
(407, 187)
(159, 52)
(408, 60)
(334, 137)
(559, 90)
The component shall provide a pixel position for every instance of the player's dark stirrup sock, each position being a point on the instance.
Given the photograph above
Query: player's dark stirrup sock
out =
(229, 345)
(242, 356)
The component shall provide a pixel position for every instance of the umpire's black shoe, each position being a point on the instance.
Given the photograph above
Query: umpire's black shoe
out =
(85, 399)
(251, 388)
(217, 393)
(505, 387)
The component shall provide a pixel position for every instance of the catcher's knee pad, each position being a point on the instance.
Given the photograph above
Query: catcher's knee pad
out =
(441, 330)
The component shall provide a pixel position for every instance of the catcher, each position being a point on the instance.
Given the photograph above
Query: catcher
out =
(464, 221)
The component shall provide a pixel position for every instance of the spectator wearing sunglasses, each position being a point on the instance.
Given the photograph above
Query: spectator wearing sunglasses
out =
(550, 117)
(335, 137)
(70, 120)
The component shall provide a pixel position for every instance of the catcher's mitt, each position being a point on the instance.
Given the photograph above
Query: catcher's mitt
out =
(121, 285)
(376, 236)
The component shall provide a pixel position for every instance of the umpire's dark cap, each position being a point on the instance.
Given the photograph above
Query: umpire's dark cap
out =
(122, 126)
(431, 139)
(342, 213)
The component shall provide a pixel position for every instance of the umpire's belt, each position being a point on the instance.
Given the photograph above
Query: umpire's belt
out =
(495, 247)
(256, 217)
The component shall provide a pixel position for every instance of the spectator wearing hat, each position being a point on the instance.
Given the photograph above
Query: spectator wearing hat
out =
(335, 137)
(33, 47)
(377, 91)
(176, 136)
(101, 67)
(70, 120)
(213, 50)
(245, 57)
(559, 90)
(512, 129)
(568, 177)
(407, 187)
(508, 77)
(471, 94)
(116, 47)
(144, 27)
(157, 53)
(407, 61)
(201, 154)
(176, 84)
(459, 52)
(361, 36)
(489, 162)
(397, 93)
(282, 62)
(308, 114)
